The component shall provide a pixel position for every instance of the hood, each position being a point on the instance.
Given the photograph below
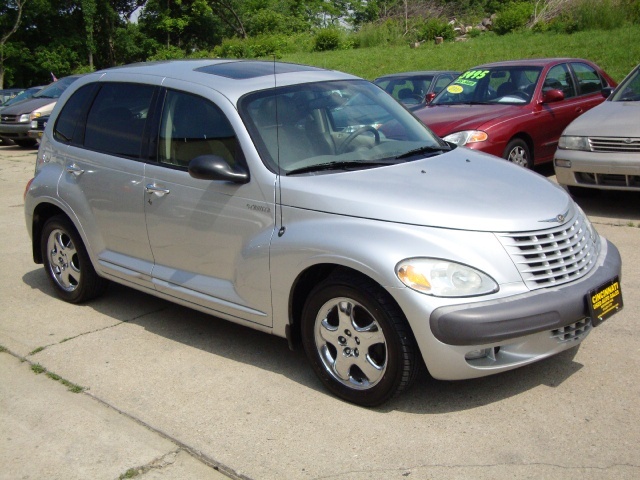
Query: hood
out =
(446, 119)
(609, 119)
(28, 106)
(461, 189)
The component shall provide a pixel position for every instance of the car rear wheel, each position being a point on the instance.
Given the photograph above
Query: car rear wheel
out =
(358, 341)
(67, 263)
(517, 152)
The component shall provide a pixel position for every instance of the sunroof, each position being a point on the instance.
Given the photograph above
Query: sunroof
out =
(251, 69)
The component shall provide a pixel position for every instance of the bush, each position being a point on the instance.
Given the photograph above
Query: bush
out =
(327, 39)
(376, 35)
(512, 17)
(435, 27)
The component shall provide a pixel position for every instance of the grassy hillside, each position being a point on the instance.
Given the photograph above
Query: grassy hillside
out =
(617, 51)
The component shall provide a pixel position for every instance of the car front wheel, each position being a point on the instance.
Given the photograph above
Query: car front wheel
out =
(517, 152)
(67, 263)
(358, 341)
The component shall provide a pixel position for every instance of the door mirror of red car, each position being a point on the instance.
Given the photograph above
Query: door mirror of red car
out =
(553, 95)
(606, 91)
(429, 97)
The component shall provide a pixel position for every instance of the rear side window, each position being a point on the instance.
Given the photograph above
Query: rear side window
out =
(116, 121)
(588, 79)
(71, 113)
(192, 126)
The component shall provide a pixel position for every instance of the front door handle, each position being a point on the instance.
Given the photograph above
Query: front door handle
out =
(160, 192)
(75, 170)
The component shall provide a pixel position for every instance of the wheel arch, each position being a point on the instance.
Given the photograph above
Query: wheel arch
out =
(301, 288)
(43, 212)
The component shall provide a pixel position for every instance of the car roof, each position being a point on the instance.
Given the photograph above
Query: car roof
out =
(417, 73)
(233, 77)
(531, 62)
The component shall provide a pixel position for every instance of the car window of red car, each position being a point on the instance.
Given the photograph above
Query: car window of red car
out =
(588, 79)
(559, 78)
(442, 82)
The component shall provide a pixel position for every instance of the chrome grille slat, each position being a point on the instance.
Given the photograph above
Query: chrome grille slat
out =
(555, 255)
(615, 145)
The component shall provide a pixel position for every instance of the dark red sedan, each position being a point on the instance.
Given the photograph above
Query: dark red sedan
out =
(516, 109)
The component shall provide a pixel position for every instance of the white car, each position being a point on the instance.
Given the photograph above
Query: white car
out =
(601, 148)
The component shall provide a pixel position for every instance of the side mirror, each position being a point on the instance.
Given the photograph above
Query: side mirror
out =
(429, 97)
(606, 91)
(213, 167)
(552, 95)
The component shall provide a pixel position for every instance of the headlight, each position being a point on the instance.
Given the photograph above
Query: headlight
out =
(442, 278)
(24, 118)
(574, 143)
(466, 136)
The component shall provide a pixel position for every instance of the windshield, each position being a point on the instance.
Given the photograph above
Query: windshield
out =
(496, 85)
(55, 89)
(334, 125)
(23, 96)
(629, 89)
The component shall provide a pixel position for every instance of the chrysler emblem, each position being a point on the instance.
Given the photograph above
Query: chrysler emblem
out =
(561, 217)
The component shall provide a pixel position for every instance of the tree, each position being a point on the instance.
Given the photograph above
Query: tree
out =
(11, 15)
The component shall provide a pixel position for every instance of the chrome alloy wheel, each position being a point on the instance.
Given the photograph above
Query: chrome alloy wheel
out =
(519, 156)
(351, 344)
(63, 260)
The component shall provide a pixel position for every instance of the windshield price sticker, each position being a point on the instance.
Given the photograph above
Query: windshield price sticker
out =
(474, 74)
(604, 301)
(454, 89)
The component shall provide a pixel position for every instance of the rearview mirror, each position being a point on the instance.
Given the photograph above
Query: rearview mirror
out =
(606, 91)
(429, 97)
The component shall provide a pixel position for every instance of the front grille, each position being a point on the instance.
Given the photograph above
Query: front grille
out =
(9, 118)
(553, 256)
(575, 331)
(614, 145)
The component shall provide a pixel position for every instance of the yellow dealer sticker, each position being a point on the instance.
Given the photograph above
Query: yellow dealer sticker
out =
(454, 89)
(604, 301)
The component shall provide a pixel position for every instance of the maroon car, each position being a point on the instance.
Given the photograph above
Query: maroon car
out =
(516, 109)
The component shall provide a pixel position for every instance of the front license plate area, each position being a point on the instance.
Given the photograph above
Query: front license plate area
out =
(604, 301)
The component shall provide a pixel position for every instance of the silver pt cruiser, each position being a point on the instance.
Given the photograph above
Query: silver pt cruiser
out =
(309, 204)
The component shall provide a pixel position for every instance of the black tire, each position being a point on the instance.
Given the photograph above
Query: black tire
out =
(335, 343)
(67, 263)
(26, 143)
(518, 152)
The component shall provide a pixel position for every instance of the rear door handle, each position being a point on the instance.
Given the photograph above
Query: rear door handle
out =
(75, 170)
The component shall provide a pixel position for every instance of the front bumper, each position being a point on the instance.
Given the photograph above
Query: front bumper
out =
(15, 131)
(606, 171)
(541, 310)
(470, 340)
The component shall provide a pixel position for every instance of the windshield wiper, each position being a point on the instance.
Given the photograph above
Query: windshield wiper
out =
(425, 149)
(338, 165)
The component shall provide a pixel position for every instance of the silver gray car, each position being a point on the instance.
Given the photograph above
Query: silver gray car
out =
(309, 204)
(601, 148)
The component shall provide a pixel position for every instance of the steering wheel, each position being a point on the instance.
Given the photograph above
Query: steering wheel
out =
(358, 132)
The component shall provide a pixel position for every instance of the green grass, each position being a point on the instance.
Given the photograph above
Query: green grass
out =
(72, 387)
(616, 51)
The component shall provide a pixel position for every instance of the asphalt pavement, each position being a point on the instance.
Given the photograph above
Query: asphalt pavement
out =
(164, 392)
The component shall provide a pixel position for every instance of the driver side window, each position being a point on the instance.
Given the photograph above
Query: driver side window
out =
(559, 78)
